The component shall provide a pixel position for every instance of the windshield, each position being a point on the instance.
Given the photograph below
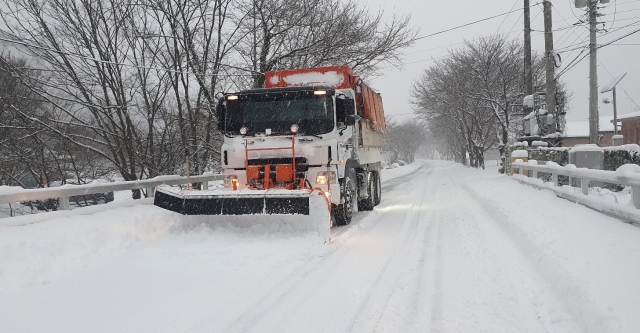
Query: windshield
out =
(278, 111)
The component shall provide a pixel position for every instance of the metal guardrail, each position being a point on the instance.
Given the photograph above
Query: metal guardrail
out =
(64, 192)
(586, 176)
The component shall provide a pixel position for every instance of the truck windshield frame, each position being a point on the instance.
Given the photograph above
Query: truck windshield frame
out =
(314, 114)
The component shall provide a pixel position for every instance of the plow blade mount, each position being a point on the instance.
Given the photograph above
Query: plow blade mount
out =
(300, 210)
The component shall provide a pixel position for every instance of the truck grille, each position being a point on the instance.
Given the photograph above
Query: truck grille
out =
(279, 160)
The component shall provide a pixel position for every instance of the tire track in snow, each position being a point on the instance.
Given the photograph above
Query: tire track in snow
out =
(415, 319)
(403, 257)
(561, 284)
(436, 299)
(513, 289)
(286, 285)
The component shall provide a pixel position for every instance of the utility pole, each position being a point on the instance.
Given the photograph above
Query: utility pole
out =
(528, 74)
(551, 65)
(615, 113)
(593, 74)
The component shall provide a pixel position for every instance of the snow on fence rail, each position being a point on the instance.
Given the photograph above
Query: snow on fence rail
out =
(10, 195)
(626, 176)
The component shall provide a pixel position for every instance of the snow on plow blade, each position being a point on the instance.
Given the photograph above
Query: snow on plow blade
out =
(275, 210)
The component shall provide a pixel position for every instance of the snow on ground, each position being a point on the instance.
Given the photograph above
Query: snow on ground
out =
(450, 249)
(389, 174)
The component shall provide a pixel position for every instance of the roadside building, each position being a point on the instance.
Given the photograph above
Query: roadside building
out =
(577, 132)
(630, 127)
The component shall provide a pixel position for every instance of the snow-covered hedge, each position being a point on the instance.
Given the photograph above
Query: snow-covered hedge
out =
(614, 157)
(543, 154)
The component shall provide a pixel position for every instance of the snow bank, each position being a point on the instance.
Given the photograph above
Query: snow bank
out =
(88, 210)
(589, 260)
(520, 153)
(539, 144)
(628, 169)
(400, 171)
(114, 271)
(632, 148)
(10, 189)
(586, 147)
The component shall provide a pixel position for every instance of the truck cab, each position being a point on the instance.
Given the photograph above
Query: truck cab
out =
(308, 129)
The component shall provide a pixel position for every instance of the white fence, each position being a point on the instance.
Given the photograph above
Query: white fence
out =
(64, 192)
(630, 212)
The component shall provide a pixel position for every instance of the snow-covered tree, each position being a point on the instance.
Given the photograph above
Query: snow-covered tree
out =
(472, 98)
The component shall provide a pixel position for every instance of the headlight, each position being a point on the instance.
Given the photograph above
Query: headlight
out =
(243, 130)
(294, 128)
(321, 178)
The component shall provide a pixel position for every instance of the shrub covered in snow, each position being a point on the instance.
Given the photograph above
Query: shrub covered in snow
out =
(543, 154)
(614, 157)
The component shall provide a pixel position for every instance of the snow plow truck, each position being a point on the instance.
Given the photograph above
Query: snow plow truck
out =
(307, 144)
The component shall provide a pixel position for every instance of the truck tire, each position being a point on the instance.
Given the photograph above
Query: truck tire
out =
(378, 188)
(369, 202)
(343, 213)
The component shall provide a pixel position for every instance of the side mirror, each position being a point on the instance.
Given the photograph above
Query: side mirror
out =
(221, 112)
(351, 119)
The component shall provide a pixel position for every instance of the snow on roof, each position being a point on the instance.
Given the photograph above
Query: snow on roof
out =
(586, 147)
(629, 115)
(577, 129)
(520, 153)
(331, 78)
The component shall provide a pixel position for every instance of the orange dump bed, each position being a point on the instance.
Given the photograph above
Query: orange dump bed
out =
(372, 107)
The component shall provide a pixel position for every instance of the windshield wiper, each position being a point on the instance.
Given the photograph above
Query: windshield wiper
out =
(309, 134)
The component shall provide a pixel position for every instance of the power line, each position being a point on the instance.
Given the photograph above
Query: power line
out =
(619, 38)
(506, 17)
(614, 13)
(619, 85)
(472, 23)
(599, 47)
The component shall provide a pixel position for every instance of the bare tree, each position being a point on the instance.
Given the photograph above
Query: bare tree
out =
(136, 81)
(472, 98)
(129, 84)
(286, 34)
(402, 140)
(193, 39)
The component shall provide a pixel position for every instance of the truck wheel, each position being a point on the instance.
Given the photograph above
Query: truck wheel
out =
(344, 212)
(369, 202)
(378, 188)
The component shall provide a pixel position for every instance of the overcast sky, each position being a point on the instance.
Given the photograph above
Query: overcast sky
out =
(434, 16)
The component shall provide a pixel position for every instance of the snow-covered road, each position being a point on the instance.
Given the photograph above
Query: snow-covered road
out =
(450, 249)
